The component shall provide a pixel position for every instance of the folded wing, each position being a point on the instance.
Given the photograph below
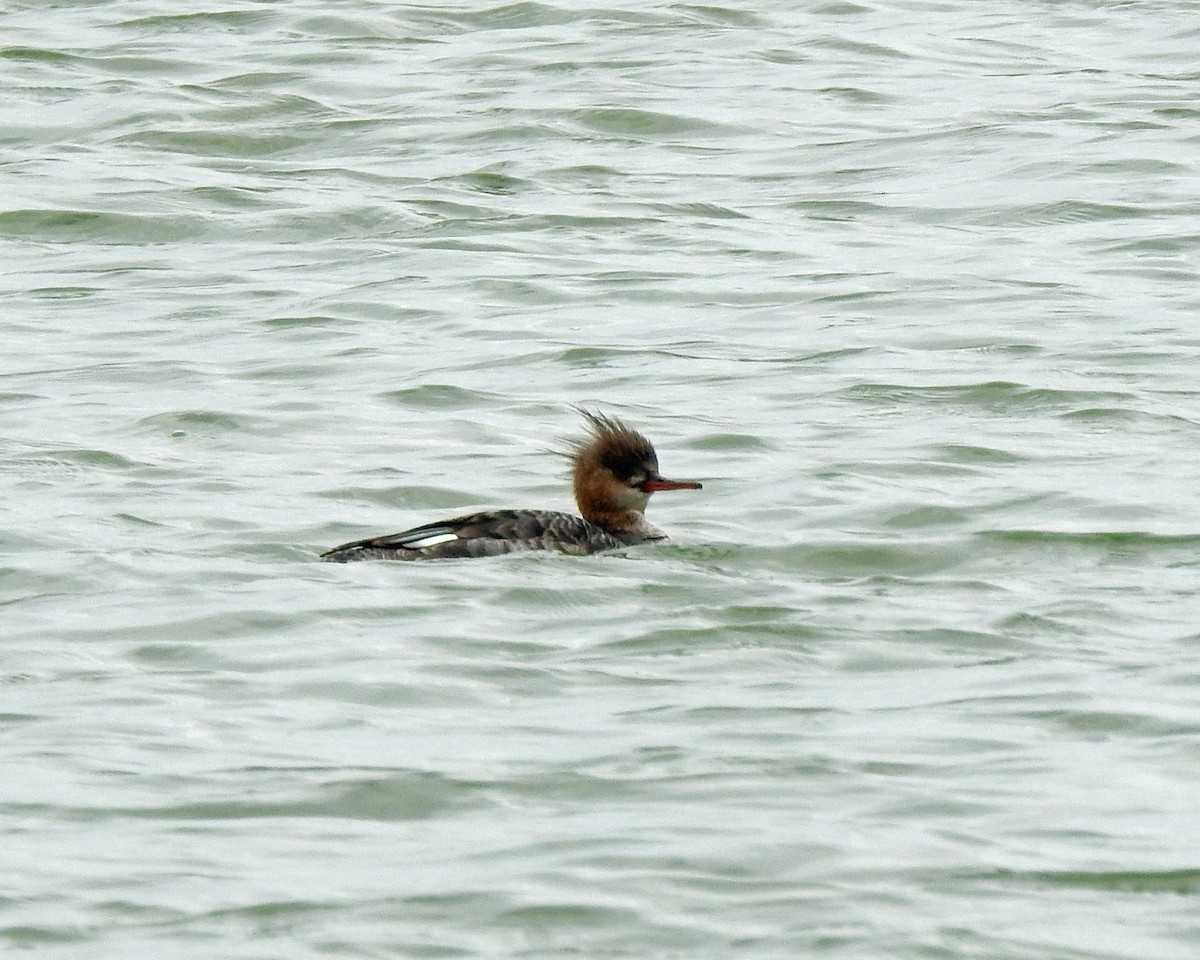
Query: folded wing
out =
(482, 535)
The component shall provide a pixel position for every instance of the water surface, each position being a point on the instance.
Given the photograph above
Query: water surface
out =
(910, 285)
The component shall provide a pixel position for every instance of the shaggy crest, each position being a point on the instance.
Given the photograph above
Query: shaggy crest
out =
(612, 445)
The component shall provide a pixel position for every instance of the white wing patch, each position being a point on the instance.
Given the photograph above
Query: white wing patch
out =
(431, 540)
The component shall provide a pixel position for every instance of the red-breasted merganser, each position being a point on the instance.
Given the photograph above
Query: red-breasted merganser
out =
(615, 469)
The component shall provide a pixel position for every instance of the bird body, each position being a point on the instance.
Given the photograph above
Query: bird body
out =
(614, 472)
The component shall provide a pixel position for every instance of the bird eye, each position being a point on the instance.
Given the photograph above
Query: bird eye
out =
(621, 467)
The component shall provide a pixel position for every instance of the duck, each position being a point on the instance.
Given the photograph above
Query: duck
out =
(614, 471)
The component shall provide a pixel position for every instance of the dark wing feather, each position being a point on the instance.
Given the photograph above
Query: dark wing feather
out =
(482, 535)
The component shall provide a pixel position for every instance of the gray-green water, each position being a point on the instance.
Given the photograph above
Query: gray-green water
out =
(913, 287)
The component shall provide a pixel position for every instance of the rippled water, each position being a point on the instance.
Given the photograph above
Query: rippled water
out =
(912, 286)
